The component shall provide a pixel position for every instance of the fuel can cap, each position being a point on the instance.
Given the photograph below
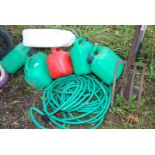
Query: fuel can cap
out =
(90, 59)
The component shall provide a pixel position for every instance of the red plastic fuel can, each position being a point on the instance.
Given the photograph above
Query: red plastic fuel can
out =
(59, 63)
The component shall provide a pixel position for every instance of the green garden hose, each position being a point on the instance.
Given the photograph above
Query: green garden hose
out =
(74, 100)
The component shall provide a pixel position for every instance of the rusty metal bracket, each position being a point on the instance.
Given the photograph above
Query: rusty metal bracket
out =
(126, 89)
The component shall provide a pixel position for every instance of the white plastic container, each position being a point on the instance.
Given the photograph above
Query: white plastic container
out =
(47, 38)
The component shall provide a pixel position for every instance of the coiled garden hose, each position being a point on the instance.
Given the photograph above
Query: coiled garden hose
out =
(74, 100)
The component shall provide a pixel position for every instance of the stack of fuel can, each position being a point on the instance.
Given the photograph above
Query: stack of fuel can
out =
(100, 60)
(41, 69)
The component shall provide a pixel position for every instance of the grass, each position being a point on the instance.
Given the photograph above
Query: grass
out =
(118, 38)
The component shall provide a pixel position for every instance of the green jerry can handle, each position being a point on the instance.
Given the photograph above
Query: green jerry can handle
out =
(27, 65)
(90, 59)
(94, 53)
(96, 50)
(79, 41)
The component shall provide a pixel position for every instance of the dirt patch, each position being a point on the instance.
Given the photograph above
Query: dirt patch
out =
(15, 102)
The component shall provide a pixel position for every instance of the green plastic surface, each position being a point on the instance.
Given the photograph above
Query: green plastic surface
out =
(104, 62)
(36, 71)
(15, 59)
(79, 55)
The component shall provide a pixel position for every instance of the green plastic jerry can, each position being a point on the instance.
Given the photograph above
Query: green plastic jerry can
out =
(103, 62)
(16, 58)
(36, 73)
(79, 55)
